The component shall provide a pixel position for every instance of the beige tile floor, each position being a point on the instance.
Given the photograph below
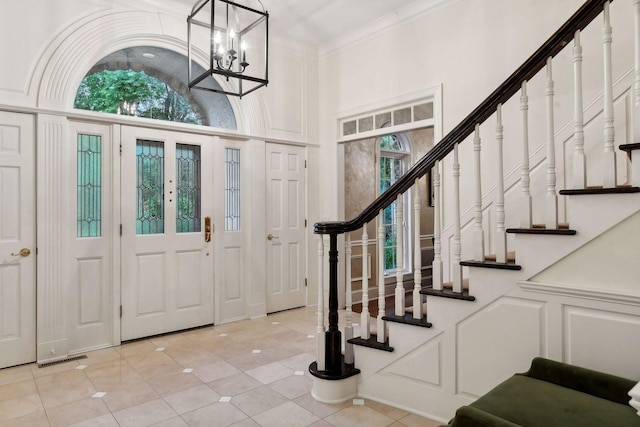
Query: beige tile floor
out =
(247, 373)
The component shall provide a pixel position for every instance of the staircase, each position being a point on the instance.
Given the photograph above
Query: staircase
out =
(504, 288)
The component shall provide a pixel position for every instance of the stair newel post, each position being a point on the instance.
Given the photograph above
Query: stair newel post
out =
(333, 335)
(609, 155)
(437, 230)
(348, 329)
(501, 235)
(551, 212)
(381, 326)
(417, 254)
(399, 296)
(478, 252)
(579, 158)
(320, 329)
(457, 247)
(365, 329)
(526, 209)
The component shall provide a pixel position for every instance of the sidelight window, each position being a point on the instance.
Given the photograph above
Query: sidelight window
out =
(89, 183)
(232, 190)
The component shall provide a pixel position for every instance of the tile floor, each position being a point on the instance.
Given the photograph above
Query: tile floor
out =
(247, 373)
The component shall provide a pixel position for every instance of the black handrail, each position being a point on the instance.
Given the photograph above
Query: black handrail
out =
(504, 92)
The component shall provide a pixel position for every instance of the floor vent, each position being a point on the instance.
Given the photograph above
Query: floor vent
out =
(57, 362)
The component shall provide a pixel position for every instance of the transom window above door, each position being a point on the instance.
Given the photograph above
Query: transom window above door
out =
(148, 82)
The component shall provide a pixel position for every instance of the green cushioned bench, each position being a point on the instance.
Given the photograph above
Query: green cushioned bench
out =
(553, 394)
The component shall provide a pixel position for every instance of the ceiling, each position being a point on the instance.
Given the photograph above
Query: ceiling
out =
(319, 21)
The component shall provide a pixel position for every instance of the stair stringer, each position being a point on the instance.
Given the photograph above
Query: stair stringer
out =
(436, 394)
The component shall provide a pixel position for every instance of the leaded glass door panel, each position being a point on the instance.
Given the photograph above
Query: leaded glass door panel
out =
(167, 264)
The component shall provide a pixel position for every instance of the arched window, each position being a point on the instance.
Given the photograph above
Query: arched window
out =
(134, 93)
(147, 81)
(394, 158)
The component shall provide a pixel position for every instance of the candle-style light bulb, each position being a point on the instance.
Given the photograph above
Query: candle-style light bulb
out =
(243, 47)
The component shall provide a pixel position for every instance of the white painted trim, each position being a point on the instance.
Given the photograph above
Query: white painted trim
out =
(580, 292)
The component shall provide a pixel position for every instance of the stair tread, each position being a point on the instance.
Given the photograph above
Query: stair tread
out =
(547, 231)
(408, 319)
(372, 342)
(620, 189)
(447, 291)
(629, 147)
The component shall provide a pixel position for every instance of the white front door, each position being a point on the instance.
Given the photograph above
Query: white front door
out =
(167, 255)
(286, 259)
(17, 240)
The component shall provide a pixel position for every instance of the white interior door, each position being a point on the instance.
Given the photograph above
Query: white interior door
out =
(167, 262)
(17, 240)
(286, 259)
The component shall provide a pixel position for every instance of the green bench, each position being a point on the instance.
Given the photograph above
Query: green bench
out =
(553, 394)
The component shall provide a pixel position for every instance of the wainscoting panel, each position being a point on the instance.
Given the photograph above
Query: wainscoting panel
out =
(507, 327)
(602, 340)
(427, 357)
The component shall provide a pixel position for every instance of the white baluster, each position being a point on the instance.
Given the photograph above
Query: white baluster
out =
(501, 235)
(417, 254)
(365, 329)
(609, 155)
(551, 198)
(636, 83)
(478, 252)
(579, 158)
(525, 179)
(348, 329)
(436, 267)
(320, 329)
(399, 297)
(457, 248)
(381, 326)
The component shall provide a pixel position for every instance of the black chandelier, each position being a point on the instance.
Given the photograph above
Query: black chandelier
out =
(228, 34)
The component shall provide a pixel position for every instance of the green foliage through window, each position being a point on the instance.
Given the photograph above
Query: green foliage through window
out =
(133, 93)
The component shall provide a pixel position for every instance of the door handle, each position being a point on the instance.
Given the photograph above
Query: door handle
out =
(271, 237)
(207, 229)
(23, 252)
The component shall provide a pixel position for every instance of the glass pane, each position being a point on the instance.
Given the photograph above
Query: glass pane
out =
(390, 142)
(150, 187)
(365, 124)
(390, 172)
(188, 215)
(423, 111)
(232, 190)
(89, 185)
(349, 128)
(383, 120)
(402, 116)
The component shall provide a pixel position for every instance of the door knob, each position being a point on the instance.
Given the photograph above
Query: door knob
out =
(271, 236)
(23, 252)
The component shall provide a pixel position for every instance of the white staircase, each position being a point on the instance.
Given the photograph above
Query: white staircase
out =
(540, 303)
